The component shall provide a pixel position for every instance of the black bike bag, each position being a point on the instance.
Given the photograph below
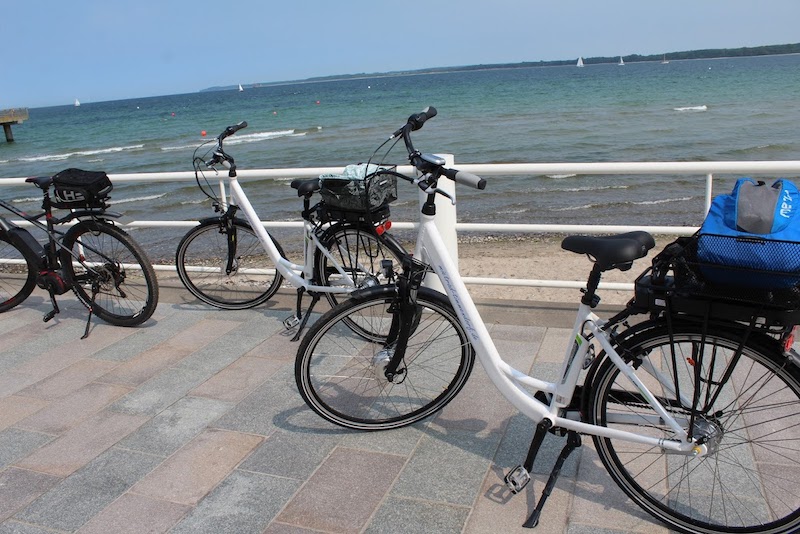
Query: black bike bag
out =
(76, 188)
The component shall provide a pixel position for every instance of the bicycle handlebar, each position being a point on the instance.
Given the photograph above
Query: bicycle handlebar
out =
(427, 164)
(230, 130)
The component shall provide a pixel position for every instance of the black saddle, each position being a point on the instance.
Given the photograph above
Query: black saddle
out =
(305, 187)
(611, 252)
(42, 182)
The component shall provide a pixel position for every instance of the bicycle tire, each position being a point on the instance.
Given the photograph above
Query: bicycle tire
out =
(17, 279)
(119, 269)
(359, 251)
(339, 371)
(750, 422)
(206, 244)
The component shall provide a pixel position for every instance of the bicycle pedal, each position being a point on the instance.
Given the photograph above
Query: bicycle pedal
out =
(291, 322)
(517, 479)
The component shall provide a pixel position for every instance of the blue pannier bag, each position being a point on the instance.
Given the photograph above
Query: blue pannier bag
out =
(751, 237)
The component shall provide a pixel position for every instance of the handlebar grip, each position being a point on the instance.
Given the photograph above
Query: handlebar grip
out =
(230, 130)
(418, 119)
(466, 178)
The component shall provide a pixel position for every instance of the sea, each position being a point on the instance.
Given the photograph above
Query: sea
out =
(692, 110)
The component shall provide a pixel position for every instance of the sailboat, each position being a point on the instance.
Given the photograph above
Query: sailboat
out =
(77, 103)
(665, 60)
(621, 63)
(580, 62)
(241, 88)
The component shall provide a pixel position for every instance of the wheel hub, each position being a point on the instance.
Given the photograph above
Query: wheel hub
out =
(708, 432)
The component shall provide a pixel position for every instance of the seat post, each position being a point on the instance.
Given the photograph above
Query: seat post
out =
(590, 295)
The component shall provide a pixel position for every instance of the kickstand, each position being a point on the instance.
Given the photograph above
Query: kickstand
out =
(91, 309)
(306, 315)
(573, 442)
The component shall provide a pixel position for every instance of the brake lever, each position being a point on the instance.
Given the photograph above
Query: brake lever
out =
(422, 183)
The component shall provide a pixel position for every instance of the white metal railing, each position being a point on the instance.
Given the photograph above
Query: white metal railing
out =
(706, 170)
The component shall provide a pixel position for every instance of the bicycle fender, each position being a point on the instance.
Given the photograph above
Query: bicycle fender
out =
(77, 214)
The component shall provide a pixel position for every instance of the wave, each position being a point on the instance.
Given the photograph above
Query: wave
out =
(25, 200)
(561, 176)
(137, 199)
(692, 108)
(67, 155)
(629, 203)
(259, 136)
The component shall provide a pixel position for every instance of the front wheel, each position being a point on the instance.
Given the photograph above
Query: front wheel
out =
(746, 411)
(109, 272)
(17, 274)
(340, 372)
(226, 265)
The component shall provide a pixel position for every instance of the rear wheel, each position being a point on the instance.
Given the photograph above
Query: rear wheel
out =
(340, 372)
(17, 274)
(747, 414)
(359, 252)
(110, 273)
(247, 280)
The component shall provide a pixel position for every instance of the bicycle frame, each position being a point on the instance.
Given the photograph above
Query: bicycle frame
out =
(512, 383)
(285, 267)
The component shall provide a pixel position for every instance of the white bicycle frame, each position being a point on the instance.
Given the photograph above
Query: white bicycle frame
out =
(297, 275)
(512, 383)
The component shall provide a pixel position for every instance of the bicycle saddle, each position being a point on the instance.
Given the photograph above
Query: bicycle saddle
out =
(305, 187)
(42, 182)
(614, 251)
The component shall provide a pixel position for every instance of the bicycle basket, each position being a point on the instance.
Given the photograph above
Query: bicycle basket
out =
(677, 283)
(76, 188)
(361, 187)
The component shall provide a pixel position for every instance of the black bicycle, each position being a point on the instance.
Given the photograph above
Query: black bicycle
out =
(108, 271)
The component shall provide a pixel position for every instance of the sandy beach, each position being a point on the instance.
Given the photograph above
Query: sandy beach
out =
(540, 258)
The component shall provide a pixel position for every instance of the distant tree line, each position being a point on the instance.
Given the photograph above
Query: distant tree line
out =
(768, 50)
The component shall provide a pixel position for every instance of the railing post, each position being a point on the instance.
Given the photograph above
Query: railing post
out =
(446, 218)
(709, 191)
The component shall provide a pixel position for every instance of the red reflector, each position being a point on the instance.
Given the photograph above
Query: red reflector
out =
(788, 340)
(380, 229)
(387, 225)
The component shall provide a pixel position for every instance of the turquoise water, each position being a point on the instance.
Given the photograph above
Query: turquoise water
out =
(723, 109)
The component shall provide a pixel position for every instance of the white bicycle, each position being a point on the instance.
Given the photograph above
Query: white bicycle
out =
(233, 263)
(692, 398)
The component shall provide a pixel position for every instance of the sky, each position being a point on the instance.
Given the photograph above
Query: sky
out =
(55, 51)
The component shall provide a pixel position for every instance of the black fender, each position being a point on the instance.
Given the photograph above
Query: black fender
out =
(390, 290)
(95, 214)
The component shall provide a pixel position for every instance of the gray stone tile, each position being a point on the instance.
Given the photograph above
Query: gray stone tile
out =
(79, 497)
(290, 454)
(15, 527)
(400, 441)
(172, 428)
(407, 516)
(274, 404)
(16, 444)
(221, 352)
(447, 468)
(243, 503)
(159, 392)
(148, 336)
(18, 487)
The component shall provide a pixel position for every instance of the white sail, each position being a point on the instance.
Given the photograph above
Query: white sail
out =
(580, 62)
(77, 103)
(241, 88)
(621, 63)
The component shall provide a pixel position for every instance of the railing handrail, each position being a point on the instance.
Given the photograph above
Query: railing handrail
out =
(705, 168)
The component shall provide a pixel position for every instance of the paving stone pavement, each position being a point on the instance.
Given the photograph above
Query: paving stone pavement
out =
(193, 424)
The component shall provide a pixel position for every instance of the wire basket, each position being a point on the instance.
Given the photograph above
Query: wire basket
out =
(360, 188)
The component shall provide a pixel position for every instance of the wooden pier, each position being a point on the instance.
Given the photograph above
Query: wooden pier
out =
(12, 116)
